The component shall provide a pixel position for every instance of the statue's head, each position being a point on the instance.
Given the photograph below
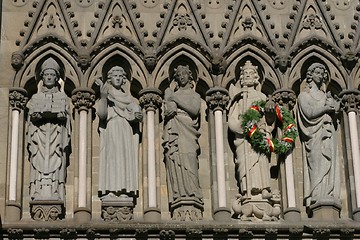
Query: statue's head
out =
(249, 75)
(50, 72)
(17, 60)
(317, 73)
(116, 76)
(183, 76)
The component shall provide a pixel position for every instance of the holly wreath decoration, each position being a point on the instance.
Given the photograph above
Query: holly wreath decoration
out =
(258, 140)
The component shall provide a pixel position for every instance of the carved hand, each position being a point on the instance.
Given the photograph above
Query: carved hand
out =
(35, 116)
(138, 116)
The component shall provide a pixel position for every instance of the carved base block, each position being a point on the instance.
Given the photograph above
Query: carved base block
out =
(152, 214)
(222, 214)
(292, 214)
(187, 209)
(82, 215)
(325, 211)
(117, 209)
(47, 210)
(255, 210)
(13, 211)
(356, 214)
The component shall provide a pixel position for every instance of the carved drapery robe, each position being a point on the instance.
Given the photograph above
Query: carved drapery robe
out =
(181, 147)
(48, 145)
(321, 167)
(119, 140)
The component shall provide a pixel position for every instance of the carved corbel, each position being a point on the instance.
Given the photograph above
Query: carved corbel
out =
(284, 97)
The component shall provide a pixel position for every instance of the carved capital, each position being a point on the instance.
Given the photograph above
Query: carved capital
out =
(285, 97)
(83, 98)
(150, 99)
(18, 98)
(350, 100)
(217, 98)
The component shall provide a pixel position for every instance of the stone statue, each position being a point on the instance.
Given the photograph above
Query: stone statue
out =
(181, 148)
(48, 136)
(119, 138)
(252, 168)
(316, 112)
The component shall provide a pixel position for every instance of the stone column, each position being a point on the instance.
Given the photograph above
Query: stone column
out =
(83, 99)
(217, 99)
(287, 98)
(151, 100)
(17, 101)
(350, 100)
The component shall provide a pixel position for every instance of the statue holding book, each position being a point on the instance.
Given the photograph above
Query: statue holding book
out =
(48, 136)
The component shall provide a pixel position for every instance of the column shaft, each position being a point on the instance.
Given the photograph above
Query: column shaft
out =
(14, 154)
(355, 154)
(220, 168)
(290, 187)
(151, 158)
(82, 158)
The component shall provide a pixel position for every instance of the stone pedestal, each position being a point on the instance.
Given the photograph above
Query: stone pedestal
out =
(152, 214)
(47, 210)
(257, 209)
(13, 211)
(325, 211)
(222, 214)
(117, 209)
(292, 214)
(187, 209)
(82, 214)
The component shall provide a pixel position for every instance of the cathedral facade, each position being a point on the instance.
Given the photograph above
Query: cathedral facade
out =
(180, 119)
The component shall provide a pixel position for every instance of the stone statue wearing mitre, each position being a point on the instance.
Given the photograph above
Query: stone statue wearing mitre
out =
(48, 136)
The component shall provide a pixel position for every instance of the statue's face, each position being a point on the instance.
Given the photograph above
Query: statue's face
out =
(248, 77)
(182, 77)
(49, 78)
(118, 78)
(318, 75)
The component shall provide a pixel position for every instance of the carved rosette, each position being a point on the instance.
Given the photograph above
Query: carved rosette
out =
(217, 98)
(150, 99)
(83, 99)
(350, 100)
(18, 98)
(15, 233)
(167, 235)
(284, 97)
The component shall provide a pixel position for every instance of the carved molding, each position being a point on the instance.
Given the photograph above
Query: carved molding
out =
(18, 98)
(15, 233)
(167, 235)
(83, 98)
(150, 99)
(350, 100)
(217, 98)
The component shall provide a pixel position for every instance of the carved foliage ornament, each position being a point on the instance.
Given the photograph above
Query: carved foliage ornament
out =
(18, 99)
(350, 101)
(150, 101)
(182, 21)
(217, 99)
(83, 100)
(312, 21)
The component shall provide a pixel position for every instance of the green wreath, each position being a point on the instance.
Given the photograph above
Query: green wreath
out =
(259, 142)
